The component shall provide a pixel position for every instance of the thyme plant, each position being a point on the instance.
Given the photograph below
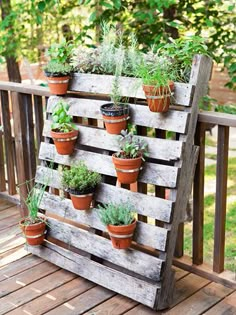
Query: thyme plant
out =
(116, 214)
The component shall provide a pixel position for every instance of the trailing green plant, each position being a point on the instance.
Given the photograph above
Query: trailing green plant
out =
(131, 146)
(116, 214)
(62, 121)
(54, 68)
(32, 201)
(80, 178)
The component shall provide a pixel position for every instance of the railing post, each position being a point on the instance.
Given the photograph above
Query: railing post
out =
(9, 148)
(221, 198)
(198, 197)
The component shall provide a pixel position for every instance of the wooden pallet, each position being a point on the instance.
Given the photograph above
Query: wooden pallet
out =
(77, 240)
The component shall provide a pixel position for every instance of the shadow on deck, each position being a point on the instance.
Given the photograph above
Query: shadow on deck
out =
(30, 285)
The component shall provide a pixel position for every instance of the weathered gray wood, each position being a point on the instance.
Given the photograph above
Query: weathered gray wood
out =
(140, 115)
(130, 87)
(161, 149)
(201, 71)
(217, 118)
(146, 234)
(136, 261)
(157, 174)
(24, 88)
(139, 290)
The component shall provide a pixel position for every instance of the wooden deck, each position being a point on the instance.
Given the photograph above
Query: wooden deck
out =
(30, 285)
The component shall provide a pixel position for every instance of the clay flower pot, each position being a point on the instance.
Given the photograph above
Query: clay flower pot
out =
(58, 85)
(64, 141)
(81, 201)
(158, 98)
(121, 235)
(115, 119)
(127, 170)
(34, 233)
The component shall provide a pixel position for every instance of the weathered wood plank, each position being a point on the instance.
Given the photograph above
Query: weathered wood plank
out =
(24, 88)
(9, 144)
(221, 198)
(157, 174)
(130, 87)
(2, 161)
(162, 149)
(140, 115)
(34, 290)
(147, 234)
(38, 113)
(57, 298)
(99, 246)
(134, 288)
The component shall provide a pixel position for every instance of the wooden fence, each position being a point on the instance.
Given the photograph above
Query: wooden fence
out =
(21, 114)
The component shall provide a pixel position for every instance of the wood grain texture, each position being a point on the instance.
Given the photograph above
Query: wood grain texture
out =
(130, 87)
(167, 150)
(134, 288)
(2, 161)
(99, 246)
(157, 174)
(140, 115)
(146, 234)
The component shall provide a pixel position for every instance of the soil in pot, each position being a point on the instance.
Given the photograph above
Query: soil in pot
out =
(121, 236)
(58, 85)
(115, 118)
(34, 233)
(127, 170)
(158, 99)
(81, 201)
(64, 141)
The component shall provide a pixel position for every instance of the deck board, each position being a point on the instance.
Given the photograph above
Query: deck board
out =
(29, 285)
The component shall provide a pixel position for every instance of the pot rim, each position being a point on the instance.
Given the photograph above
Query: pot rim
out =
(117, 226)
(133, 159)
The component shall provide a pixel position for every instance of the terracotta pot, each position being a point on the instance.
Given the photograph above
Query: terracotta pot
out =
(115, 119)
(158, 99)
(58, 85)
(121, 236)
(127, 170)
(81, 202)
(65, 141)
(34, 233)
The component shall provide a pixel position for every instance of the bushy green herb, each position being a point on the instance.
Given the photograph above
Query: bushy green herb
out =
(131, 146)
(61, 52)
(62, 122)
(80, 178)
(55, 68)
(116, 214)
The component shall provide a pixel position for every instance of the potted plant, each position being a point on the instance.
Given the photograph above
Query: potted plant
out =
(157, 75)
(120, 222)
(128, 160)
(115, 114)
(81, 183)
(59, 67)
(63, 131)
(34, 225)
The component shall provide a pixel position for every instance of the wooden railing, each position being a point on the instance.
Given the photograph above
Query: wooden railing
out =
(21, 114)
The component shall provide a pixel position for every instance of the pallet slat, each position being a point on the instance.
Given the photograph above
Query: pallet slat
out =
(134, 288)
(133, 260)
(161, 149)
(140, 115)
(156, 174)
(130, 87)
(146, 234)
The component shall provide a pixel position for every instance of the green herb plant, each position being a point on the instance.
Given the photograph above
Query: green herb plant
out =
(57, 69)
(32, 201)
(131, 146)
(62, 121)
(116, 214)
(80, 178)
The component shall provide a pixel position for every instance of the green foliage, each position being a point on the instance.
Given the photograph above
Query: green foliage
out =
(33, 200)
(116, 214)
(61, 52)
(54, 69)
(131, 146)
(62, 122)
(80, 178)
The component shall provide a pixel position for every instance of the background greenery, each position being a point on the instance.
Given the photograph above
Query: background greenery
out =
(28, 25)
